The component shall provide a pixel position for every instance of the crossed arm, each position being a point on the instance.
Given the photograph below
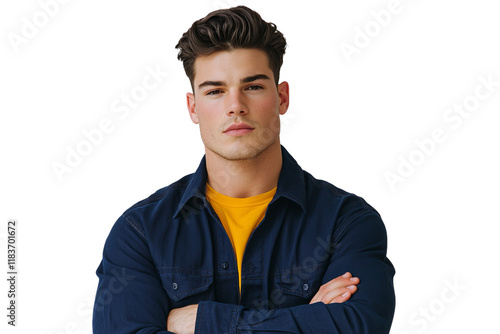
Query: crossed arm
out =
(338, 290)
(128, 273)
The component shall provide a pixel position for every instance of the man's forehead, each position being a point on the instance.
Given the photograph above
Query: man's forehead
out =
(236, 64)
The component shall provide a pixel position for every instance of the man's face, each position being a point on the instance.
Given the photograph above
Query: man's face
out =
(236, 103)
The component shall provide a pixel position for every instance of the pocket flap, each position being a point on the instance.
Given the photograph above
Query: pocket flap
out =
(298, 281)
(181, 282)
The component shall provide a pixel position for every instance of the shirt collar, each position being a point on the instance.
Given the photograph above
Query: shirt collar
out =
(291, 183)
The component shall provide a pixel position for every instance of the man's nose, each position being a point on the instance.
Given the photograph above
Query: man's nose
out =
(236, 105)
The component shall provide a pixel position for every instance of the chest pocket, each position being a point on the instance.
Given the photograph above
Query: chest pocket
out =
(296, 286)
(186, 286)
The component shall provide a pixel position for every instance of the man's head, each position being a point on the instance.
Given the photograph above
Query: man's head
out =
(229, 29)
(232, 58)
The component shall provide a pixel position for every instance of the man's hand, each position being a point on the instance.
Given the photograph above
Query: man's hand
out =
(338, 290)
(182, 320)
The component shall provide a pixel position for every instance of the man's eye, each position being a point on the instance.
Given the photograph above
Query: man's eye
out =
(214, 92)
(254, 87)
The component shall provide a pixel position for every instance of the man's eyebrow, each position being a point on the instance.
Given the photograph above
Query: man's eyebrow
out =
(254, 77)
(211, 83)
(244, 80)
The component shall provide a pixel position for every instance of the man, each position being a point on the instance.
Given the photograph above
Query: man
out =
(249, 243)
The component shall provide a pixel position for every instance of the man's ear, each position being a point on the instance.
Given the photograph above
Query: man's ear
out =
(191, 104)
(284, 96)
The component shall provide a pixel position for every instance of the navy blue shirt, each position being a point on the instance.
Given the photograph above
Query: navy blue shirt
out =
(171, 250)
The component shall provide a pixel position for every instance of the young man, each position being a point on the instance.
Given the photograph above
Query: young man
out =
(250, 242)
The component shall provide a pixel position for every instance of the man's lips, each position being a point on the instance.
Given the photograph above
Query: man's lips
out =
(238, 129)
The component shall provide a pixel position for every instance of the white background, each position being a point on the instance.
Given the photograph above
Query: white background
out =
(349, 122)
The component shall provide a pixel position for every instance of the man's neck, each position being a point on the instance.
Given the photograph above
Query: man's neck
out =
(245, 178)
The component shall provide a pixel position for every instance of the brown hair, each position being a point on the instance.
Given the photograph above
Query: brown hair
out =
(228, 29)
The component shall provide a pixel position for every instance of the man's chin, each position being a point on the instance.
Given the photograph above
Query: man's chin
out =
(243, 149)
(240, 155)
(240, 152)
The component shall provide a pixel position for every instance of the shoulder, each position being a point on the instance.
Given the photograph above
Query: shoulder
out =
(149, 218)
(162, 203)
(322, 194)
(318, 197)
(350, 218)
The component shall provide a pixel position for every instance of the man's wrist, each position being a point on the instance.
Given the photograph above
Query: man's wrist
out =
(182, 320)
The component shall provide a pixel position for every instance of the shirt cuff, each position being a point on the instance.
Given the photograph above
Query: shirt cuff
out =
(214, 317)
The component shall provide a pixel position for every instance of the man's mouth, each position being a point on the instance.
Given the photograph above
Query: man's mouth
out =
(237, 129)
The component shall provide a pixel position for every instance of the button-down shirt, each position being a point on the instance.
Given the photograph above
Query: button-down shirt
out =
(170, 250)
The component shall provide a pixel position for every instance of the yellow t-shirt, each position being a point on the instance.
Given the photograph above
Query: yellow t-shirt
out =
(239, 216)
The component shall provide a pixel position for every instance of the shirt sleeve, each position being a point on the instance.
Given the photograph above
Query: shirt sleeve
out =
(360, 248)
(130, 297)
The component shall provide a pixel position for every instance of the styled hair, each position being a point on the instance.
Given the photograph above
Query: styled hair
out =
(229, 29)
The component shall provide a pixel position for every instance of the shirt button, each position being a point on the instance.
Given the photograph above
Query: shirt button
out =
(224, 265)
(305, 287)
(175, 286)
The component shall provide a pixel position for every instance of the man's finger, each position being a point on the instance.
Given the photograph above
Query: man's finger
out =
(334, 289)
(335, 298)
